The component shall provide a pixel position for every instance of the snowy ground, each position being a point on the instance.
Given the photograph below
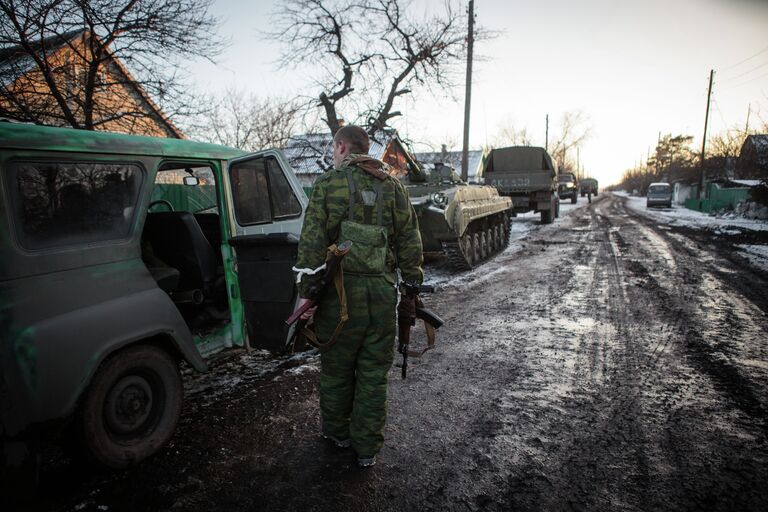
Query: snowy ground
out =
(724, 224)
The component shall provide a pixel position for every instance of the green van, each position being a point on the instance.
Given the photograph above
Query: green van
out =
(122, 257)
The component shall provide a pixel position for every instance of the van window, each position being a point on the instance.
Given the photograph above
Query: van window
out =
(261, 192)
(61, 204)
(284, 202)
(169, 186)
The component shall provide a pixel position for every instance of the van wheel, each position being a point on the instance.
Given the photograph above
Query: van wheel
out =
(132, 407)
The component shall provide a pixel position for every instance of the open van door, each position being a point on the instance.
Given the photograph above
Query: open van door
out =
(266, 216)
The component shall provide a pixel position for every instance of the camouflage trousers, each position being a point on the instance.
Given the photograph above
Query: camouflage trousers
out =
(353, 378)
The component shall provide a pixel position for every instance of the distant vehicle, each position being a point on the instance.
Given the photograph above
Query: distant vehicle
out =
(468, 223)
(121, 257)
(659, 194)
(588, 186)
(567, 186)
(527, 175)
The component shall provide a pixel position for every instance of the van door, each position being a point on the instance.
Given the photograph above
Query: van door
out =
(266, 215)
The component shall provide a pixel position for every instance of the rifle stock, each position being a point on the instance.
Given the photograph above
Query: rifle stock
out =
(332, 261)
(429, 317)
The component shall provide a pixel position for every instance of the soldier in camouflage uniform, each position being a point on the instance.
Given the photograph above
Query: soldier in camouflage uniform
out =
(358, 200)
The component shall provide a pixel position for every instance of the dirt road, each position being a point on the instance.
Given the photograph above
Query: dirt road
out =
(602, 363)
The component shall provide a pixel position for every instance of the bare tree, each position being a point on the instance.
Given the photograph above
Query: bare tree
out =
(509, 135)
(90, 88)
(574, 130)
(727, 143)
(248, 122)
(373, 53)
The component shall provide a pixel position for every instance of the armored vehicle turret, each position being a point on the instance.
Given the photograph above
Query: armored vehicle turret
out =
(469, 223)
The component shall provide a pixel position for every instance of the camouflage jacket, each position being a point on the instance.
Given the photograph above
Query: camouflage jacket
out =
(329, 205)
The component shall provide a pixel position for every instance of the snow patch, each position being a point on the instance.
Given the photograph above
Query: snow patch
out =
(757, 255)
(522, 225)
(681, 216)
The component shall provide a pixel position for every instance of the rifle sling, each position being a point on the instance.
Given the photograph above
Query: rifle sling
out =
(338, 281)
(430, 341)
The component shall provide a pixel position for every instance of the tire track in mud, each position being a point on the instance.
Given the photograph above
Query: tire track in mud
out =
(609, 415)
(684, 311)
(633, 423)
(700, 376)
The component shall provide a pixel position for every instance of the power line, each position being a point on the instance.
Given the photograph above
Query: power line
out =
(722, 117)
(745, 60)
(745, 73)
(734, 86)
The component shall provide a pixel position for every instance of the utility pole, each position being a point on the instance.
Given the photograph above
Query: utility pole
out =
(700, 195)
(468, 93)
(546, 134)
(749, 111)
(577, 162)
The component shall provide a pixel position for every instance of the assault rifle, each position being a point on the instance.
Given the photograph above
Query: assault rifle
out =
(431, 323)
(335, 254)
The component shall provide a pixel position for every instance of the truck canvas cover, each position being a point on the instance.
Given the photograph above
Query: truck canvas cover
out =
(520, 158)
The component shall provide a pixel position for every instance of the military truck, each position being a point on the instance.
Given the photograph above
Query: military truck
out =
(567, 186)
(526, 174)
(120, 258)
(588, 186)
(468, 223)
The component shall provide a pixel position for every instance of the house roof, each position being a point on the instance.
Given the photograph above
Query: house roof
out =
(311, 153)
(453, 158)
(758, 144)
(760, 141)
(15, 62)
(741, 183)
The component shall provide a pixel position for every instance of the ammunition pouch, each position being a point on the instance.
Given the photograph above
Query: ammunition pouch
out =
(368, 255)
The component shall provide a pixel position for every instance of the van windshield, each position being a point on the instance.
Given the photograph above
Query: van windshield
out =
(658, 189)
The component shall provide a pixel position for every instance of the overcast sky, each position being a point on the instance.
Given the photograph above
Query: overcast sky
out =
(634, 68)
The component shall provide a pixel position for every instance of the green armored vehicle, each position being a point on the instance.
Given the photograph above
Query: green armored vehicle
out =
(588, 186)
(469, 223)
(527, 175)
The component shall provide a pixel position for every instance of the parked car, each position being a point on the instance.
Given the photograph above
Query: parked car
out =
(659, 194)
(123, 256)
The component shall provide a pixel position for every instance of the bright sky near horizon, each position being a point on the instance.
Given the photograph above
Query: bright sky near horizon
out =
(633, 68)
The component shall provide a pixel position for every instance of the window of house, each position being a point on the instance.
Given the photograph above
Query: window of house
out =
(61, 204)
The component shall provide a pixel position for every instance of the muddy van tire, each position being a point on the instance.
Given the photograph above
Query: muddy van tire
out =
(132, 406)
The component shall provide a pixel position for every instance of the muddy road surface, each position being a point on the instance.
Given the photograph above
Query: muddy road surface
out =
(601, 363)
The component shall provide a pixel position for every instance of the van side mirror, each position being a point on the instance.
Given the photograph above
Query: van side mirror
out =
(191, 181)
